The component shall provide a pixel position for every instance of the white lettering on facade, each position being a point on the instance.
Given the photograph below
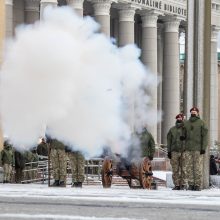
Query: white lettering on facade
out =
(162, 6)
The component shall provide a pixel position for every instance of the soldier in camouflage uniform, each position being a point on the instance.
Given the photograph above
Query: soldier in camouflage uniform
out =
(19, 166)
(77, 163)
(176, 152)
(7, 161)
(196, 144)
(59, 162)
(147, 144)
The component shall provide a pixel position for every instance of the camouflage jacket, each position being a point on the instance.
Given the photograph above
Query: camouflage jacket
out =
(55, 144)
(42, 149)
(197, 134)
(7, 156)
(147, 144)
(174, 142)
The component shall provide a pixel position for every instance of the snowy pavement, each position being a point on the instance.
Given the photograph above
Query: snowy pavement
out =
(36, 201)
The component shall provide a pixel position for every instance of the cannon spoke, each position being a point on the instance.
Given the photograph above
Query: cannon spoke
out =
(145, 173)
(107, 172)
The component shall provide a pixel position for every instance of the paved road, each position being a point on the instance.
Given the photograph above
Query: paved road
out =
(31, 202)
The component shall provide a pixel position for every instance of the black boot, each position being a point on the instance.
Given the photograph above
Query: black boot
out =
(183, 187)
(176, 188)
(56, 183)
(79, 185)
(197, 188)
(75, 184)
(191, 187)
(62, 184)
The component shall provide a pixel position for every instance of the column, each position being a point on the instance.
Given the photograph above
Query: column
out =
(214, 88)
(188, 99)
(149, 58)
(126, 26)
(32, 11)
(170, 84)
(160, 75)
(44, 4)
(102, 14)
(9, 18)
(77, 5)
(2, 36)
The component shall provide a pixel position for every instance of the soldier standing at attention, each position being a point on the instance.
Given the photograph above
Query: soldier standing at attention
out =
(7, 161)
(196, 144)
(77, 163)
(176, 152)
(59, 162)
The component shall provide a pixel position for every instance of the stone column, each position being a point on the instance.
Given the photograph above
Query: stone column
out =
(2, 28)
(149, 57)
(2, 36)
(102, 14)
(77, 5)
(44, 4)
(160, 75)
(126, 26)
(170, 84)
(32, 11)
(9, 18)
(214, 89)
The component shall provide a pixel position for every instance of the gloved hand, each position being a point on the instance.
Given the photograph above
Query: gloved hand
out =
(202, 151)
(150, 157)
(182, 138)
(169, 155)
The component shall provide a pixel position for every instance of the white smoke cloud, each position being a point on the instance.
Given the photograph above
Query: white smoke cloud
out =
(63, 76)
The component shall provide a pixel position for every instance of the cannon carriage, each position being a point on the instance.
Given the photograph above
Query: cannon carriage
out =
(135, 169)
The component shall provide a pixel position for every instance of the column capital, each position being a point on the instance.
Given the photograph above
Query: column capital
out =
(171, 24)
(76, 4)
(149, 18)
(31, 5)
(9, 2)
(126, 14)
(102, 7)
(160, 28)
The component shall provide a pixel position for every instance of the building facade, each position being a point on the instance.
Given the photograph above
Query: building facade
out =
(155, 27)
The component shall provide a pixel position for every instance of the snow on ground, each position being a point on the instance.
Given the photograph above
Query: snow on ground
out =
(116, 193)
(161, 174)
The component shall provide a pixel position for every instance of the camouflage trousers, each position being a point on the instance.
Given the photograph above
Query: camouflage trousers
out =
(178, 163)
(194, 168)
(7, 172)
(18, 175)
(59, 164)
(77, 163)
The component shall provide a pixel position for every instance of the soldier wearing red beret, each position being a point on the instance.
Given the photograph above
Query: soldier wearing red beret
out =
(176, 152)
(196, 144)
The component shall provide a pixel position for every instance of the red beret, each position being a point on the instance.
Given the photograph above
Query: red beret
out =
(194, 109)
(180, 116)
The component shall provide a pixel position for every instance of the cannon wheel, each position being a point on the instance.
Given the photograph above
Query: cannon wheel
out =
(145, 167)
(107, 172)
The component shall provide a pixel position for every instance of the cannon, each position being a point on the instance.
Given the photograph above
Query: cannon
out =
(137, 169)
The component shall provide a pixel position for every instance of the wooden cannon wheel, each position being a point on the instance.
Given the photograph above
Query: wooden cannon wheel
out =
(107, 172)
(145, 173)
